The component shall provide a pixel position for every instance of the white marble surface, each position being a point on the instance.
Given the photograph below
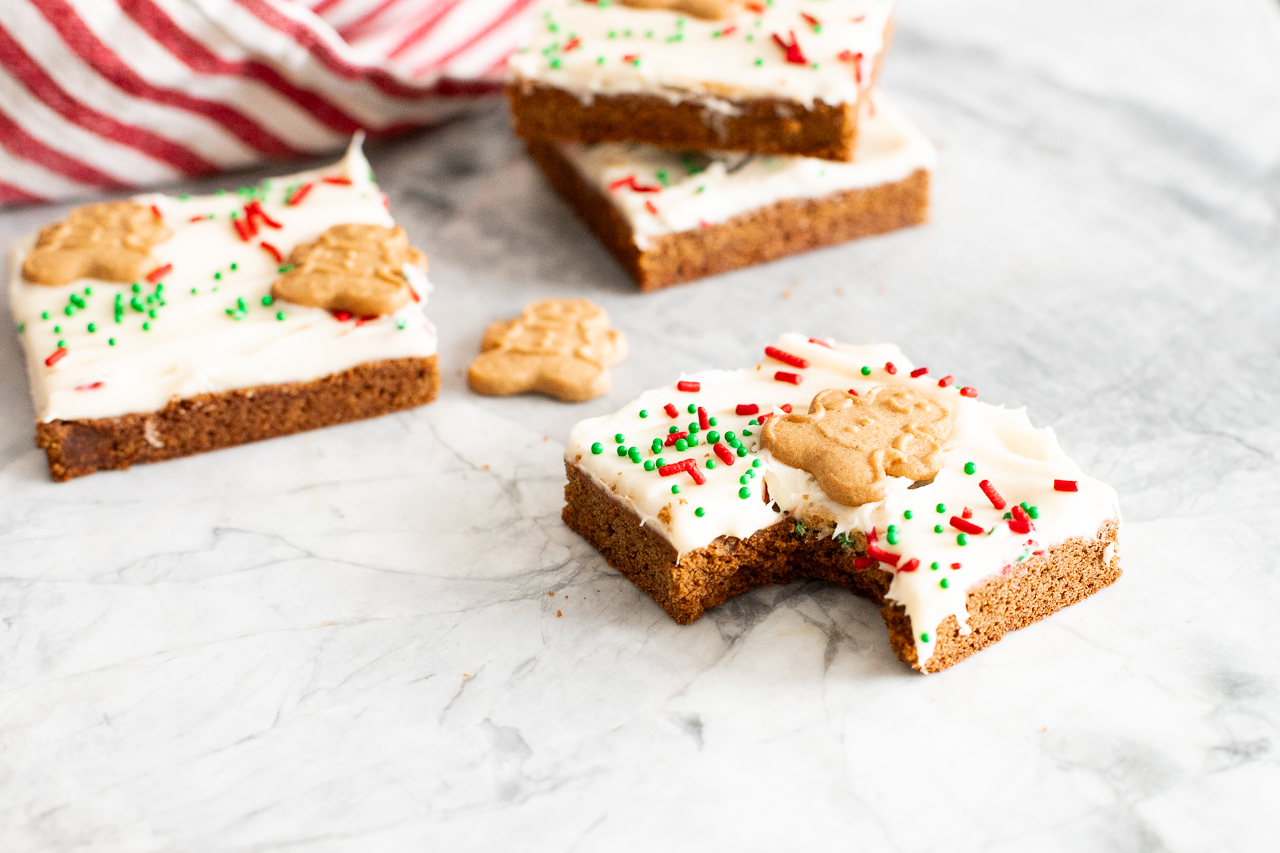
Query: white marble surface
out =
(344, 640)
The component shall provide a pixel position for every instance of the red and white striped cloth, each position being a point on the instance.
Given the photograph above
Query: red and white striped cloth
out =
(109, 94)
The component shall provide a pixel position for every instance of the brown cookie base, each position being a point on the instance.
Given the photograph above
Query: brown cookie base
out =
(1023, 594)
(766, 234)
(214, 421)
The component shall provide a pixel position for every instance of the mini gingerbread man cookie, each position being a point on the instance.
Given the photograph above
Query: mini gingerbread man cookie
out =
(851, 444)
(560, 347)
(109, 241)
(707, 10)
(354, 268)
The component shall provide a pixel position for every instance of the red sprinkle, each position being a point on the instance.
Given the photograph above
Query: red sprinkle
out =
(992, 495)
(813, 22)
(795, 55)
(955, 565)
(728, 31)
(254, 208)
(342, 182)
(760, 420)
(852, 393)
(691, 468)
(672, 469)
(1020, 514)
(299, 194)
(158, 273)
(725, 454)
(883, 556)
(819, 343)
(674, 437)
(631, 57)
(747, 409)
(783, 376)
(856, 59)
(703, 423)
(910, 565)
(965, 526)
(755, 7)
(967, 513)
(155, 211)
(671, 410)
(1065, 486)
(56, 357)
(630, 183)
(945, 381)
(786, 407)
(414, 294)
(89, 387)
(571, 44)
(786, 357)
(966, 391)
(367, 318)
(244, 228)
(342, 316)
(272, 251)
(918, 372)
(196, 219)
(648, 205)
(890, 369)
(1021, 522)
(862, 562)
(686, 385)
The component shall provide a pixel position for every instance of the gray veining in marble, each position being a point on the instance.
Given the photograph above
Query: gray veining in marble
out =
(346, 641)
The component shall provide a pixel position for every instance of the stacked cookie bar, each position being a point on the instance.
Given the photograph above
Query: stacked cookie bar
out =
(700, 136)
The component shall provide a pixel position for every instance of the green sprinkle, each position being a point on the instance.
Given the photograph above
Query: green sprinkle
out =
(934, 566)
(234, 266)
(742, 451)
(659, 462)
(184, 196)
(597, 448)
(643, 413)
(729, 436)
(57, 330)
(711, 421)
(92, 327)
(61, 344)
(906, 514)
(744, 493)
(22, 327)
(648, 465)
(962, 539)
(1034, 511)
(713, 437)
(699, 512)
(619, 438)
(755, 463)
(136, 288)
(969, 467)
(943, 583)
(555, 63)
(599, 60)
(672, 428)
(752, 422)
(622, 451)
(692, 441)
(88, 291)
(280, 316)
(751, 473)
(747, 432)
(634, 455)
(758, 60)
(69, 310)
(193, 291)
(892, 534)
(711, 463)
(44, 315)
(267, 300)
(924, 638)
(743, 479)
(111, 342)
(217, 276)
(675, 490)
(693, 427)
(146, 327)
(937, 528)
(656, 446)
(866, 371)
(693, 409)
(152, 313)
(681, 444)
(941, 507)
(283, 268)
(1008, 515)
(613, 34)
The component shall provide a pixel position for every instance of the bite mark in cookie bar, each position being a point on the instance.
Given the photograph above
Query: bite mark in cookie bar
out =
(987, 546)
(673, 217)
(198, 342)
(784, 77)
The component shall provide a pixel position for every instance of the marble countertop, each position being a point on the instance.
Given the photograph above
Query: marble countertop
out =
(382, 637)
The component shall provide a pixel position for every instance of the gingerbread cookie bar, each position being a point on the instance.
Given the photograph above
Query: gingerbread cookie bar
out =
(769, 77)
(671, 217)
(844, 463)
(165, 326)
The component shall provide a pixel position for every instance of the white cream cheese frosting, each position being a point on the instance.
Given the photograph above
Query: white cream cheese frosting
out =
(933, 564)
(603, 47)
(208, 327)
(664, 192)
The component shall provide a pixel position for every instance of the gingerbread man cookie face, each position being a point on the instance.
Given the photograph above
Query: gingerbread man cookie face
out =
(707, 10)
(852, 444)
(110, 241)
(354, 268)
(561, 347)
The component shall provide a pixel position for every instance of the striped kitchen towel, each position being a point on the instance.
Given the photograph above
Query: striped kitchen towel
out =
(108, 94)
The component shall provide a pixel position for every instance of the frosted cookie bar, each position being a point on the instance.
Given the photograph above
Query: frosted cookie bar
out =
(769, 77)
(671, 217)
(844, 463)
(164, 326)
